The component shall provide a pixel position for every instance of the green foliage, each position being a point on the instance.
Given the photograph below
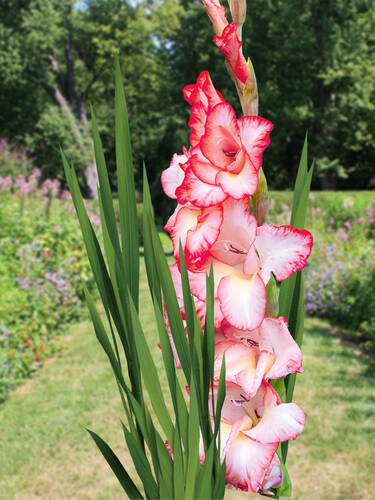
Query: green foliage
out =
(43, 268)
(52, 131)
(116, 272)
(313, 64)
(13, 161)
(341, 285)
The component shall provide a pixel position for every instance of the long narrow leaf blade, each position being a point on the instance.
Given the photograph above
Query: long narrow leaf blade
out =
(126, 190)
(141, 465)
(124, 479)
(150, 375)
(104, 186)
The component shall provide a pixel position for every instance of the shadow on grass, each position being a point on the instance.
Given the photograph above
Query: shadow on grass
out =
(347, 338)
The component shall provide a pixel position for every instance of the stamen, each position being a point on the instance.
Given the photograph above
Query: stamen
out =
(251, 342)
(229, 247)
(239, 402)
(236, 250)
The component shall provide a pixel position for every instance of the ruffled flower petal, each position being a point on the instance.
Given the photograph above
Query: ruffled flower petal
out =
(206, 232)
(172, 177)
(247, 463)
(255, 137)
(282, 250)
(221, 140)
(276, 341)
(237, 232)
(193, 190)
(240, 365)
(230, 46)
(273, 477)
(280, 423)
(243, 300)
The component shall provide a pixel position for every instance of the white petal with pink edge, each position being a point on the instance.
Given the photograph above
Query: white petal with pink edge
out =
(221, 140)
(203, 168)
(251, 264)
(194, 191)
(173, 176)
(274, 476)
(276, 340)
(243, 300)
(237, 232)
(247, 462)
(240, 364)
(238, 185)
(255, 137)
(282, 250)
(186, 220)
(278, 423)
(206, 232)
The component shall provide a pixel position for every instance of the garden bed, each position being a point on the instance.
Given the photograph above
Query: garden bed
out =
(42, 270)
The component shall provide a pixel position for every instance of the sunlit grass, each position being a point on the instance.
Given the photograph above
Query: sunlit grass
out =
(46, 453)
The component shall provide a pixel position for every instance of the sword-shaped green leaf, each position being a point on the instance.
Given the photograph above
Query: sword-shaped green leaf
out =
(104, 186)
(141, 465)
(147, 222)
(124, 479)
(193, 444)
(126, 190)
(205, 477)
(170, 299)
(178, 465)
(150, 374)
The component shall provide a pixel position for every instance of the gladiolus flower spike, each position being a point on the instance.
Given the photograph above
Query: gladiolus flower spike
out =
(213, 181)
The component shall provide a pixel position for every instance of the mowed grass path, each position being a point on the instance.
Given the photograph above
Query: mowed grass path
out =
(46, 453)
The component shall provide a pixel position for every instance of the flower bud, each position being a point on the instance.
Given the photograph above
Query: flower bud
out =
(238, 12)
(249, 97)
(216, 12)
(272, 293)
(260, 199)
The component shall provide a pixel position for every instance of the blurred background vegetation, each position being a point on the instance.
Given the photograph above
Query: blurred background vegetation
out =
(314, 60)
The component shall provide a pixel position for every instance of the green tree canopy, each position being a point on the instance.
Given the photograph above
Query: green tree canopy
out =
(314, 61)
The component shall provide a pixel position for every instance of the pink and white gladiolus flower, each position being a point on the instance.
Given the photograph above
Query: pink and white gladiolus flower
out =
(251, 430)
(226, 152)
(243, 257)
(213, 182)
(269, 352)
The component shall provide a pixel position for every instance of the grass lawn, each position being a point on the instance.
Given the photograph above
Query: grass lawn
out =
(46, 453)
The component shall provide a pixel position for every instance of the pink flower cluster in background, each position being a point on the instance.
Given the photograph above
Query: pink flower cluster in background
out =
(48, 190)
(213, 181)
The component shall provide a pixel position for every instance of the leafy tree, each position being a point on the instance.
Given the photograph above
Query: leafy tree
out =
(315, 66)
(56, 58)
(314, 62)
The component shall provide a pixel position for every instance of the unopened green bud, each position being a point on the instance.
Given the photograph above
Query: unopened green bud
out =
(260, 199)
(272, 293)
(238, 12)
(249, 97)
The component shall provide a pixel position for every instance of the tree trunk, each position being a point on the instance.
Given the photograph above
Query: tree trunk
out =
(329, 181)
(91, 178)
(90, 173)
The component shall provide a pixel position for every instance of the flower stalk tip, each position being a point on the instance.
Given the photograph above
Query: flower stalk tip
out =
(238, 13)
